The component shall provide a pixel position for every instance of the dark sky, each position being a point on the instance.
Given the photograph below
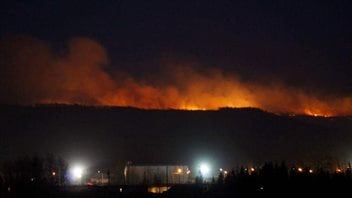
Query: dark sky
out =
(302, 43)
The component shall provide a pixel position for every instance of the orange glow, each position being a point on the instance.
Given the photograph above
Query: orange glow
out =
(78, 76)
(316, 114)
(179, 170)
(204, 91)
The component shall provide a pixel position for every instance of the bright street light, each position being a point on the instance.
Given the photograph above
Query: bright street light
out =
(204, 169)
(77, 173)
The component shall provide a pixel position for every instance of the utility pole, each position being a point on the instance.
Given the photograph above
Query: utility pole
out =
(167, 174)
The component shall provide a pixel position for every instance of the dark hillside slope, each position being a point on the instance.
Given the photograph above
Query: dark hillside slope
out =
(231, 136)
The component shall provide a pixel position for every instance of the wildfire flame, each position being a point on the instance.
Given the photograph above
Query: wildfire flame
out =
(33, 73)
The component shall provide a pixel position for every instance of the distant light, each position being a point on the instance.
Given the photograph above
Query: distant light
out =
(77, 172)
(252, 169)
(300, 170)
(310, 171)
(204, 169)
(179, 170)
(120, 189)
(220, 169)
(225, 172)
(338, 170)
(188, 172)
(53, 173)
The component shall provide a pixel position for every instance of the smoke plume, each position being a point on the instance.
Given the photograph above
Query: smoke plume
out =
(33, 72)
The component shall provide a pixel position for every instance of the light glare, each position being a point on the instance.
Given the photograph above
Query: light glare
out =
(77, 172)
(204, 169)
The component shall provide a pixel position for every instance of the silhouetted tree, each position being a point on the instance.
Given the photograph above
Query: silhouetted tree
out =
(62, 170)
(199, 178)
(220, 178)
(158, 180)
(213, 180)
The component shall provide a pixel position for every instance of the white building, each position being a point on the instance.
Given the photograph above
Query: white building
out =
(156, 174)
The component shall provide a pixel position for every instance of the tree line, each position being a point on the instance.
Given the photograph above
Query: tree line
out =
(32, 172)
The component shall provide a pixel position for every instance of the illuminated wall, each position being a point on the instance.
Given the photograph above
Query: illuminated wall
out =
(154, 175)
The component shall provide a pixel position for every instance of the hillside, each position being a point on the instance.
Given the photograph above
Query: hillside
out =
(111, 135)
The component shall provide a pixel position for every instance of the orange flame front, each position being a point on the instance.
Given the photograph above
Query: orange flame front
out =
(32, 73)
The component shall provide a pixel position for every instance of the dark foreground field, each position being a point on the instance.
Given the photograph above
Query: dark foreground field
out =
(268, 182)
(183, 191)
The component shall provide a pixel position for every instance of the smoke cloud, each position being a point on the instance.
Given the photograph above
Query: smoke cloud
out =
(32, 72)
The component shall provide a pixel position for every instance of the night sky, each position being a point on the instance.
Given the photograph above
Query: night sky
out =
(301, 43)
(291, 57)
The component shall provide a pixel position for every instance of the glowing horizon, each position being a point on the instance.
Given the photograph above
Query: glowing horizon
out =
(35, 73)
